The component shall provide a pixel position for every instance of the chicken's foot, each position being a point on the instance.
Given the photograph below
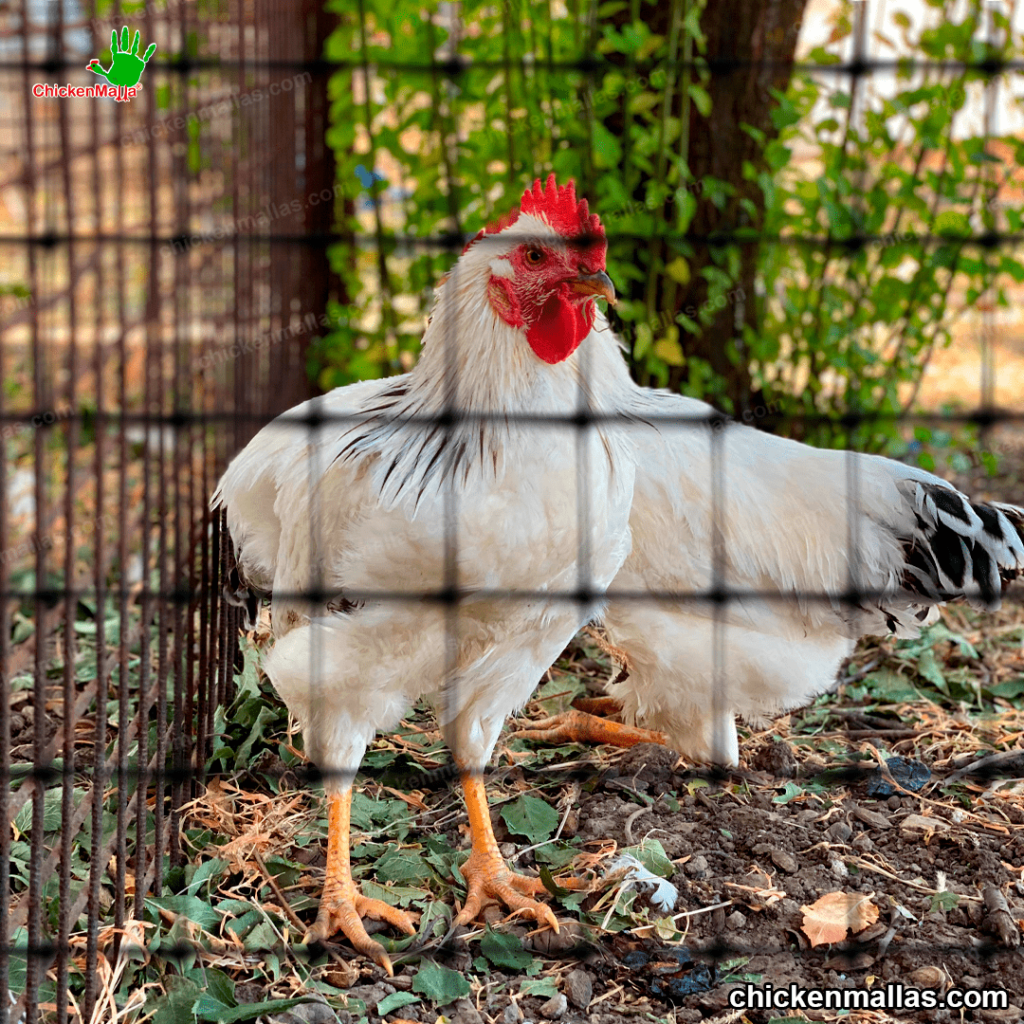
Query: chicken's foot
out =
(488, 878)
(343, 906)
(580, 726)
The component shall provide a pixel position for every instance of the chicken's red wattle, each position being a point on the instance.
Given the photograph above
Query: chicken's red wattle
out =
(560, 328)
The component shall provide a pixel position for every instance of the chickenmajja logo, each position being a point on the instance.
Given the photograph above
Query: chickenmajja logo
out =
(121, 78)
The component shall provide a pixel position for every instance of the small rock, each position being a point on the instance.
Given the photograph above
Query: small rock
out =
(838, 868)
(927, 977)
(697, 867)
(919, 823)
(862, 843)
(686, 1015)
(1011, 1013)
(370, 994)
(839, 831)
(569, 936)
(874, 819)
(713, 1003)
(776, 758)
(846, 962)
(465, 1013)
(894, 802)
(555, 1007)
(315, 1012)
(736, 920)
(578, 988)
(248, 992)
(784, 861)
(512, 1014)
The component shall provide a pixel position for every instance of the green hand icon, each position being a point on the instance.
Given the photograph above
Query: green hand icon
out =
(126, 66)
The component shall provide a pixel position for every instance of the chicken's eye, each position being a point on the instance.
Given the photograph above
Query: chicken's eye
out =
(534, 256)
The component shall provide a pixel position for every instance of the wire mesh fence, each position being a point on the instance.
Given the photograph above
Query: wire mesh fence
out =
(142, 239)
(168, 288)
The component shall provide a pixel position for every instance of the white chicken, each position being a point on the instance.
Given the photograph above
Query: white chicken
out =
(446, 532)
(757, 562)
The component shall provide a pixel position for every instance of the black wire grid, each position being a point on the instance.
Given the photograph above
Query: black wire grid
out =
(171, 293)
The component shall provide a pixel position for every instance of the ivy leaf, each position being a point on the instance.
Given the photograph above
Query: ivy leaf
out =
(541, 988)
(51, 812)
(403, 866)
(949, 222)
(504, 949)
(177, 1006)
(208, 871)
(944, 900)
(396, 1001)
(531, 817)
(192, 908)
(439, 984)
(250, 1011)
(701, 99)
(652, 855)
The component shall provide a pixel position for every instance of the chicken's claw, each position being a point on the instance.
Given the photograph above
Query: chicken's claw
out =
(489, 880)
(344, 913)
(579, 727)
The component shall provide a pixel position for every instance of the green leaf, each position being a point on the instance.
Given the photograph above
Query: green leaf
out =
(51, 812)
(701, 99)
(208, 1007)
(403, 866)
(541, 988)
(266, 715)
(928, 666)
(555, 856)
(208, 871)
(250, 1011)
(943, 901)
(1009, 689)
(949, 222)
(190, 907)
(262, 937)
(440, 984)
(219, 985)
(504, 949)
(607, 148)
(531, 817)
(652, 855)
(395, 1001)
(791, 792)
(176, 1007)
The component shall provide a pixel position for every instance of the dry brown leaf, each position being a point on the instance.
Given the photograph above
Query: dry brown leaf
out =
(836, 913)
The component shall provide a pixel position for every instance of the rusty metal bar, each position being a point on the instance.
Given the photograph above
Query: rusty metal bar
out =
(149, 427)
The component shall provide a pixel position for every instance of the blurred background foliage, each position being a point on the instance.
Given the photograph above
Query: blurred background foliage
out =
(791, 243)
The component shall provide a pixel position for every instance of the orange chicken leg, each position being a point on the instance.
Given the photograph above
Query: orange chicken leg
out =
(342, 905)
(488, 877)
(582, 725)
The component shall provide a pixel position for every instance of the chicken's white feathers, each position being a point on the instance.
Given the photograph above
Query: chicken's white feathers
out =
(468, 477)
(780, 556)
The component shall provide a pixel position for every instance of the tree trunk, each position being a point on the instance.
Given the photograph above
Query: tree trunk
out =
(750, 48)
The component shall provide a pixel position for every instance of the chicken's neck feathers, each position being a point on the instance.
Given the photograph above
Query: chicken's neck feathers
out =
(470, 407)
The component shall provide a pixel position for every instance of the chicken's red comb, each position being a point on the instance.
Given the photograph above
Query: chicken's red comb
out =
(557, 206)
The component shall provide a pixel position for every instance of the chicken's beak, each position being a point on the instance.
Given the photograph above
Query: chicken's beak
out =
(595, 284)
